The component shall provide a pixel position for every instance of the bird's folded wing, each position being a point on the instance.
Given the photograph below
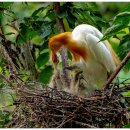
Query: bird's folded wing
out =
(100, 52)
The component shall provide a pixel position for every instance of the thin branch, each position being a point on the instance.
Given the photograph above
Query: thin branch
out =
(114, 74)
(84, 124)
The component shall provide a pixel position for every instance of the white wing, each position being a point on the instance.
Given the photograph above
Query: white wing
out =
(100, 52)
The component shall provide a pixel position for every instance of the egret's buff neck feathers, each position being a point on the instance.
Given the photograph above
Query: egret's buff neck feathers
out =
(65, 39)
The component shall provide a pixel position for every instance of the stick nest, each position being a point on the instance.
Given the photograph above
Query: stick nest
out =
(50, 108)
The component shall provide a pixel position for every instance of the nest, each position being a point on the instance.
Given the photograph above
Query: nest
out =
(51, 108)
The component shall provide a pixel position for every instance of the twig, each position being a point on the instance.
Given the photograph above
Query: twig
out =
(114, 74)
(67, 120)
(6, 107)
(124, 89)
(84, 124)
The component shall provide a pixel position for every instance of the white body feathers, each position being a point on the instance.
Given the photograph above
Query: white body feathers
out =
(100, 61)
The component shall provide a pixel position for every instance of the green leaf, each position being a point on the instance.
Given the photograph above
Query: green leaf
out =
(2, 62)
(122, 32)
(37, 11)
(66, 25)
(63, 15)
(87, 16)
(1, 16)
(44, 46)
(125, 39)
(122, 18)
(69, 55)
(5, 117)
(37, 39)
(25, 34)
(71, 19)
(102, 23)
(113, 30)
(46, 29)
(93, 5)
(5, 4)
(126, 126)
(31, 34)
(10, 33)
(1, 84)
(37, 25)
(51, 15)
(19, 40)
(42, 59)
(46, 74)
(81, 5)
(123, 49)
(126, 9)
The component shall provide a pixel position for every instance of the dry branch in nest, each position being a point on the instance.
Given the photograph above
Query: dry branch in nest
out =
(50, 108)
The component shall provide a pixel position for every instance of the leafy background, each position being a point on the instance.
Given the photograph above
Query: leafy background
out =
(26, 27)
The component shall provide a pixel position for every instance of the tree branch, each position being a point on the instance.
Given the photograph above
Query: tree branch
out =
(114, 74)
(63, 52)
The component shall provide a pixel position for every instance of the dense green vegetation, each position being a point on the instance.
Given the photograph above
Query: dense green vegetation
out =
(25, 29)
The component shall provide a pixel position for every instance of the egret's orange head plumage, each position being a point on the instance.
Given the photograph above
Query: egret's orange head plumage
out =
(57, 41)
(65, 39)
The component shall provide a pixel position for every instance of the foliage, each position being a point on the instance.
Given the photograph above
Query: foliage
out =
(5, 117)
(120, 23)
(126, 126)
(40, 25)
